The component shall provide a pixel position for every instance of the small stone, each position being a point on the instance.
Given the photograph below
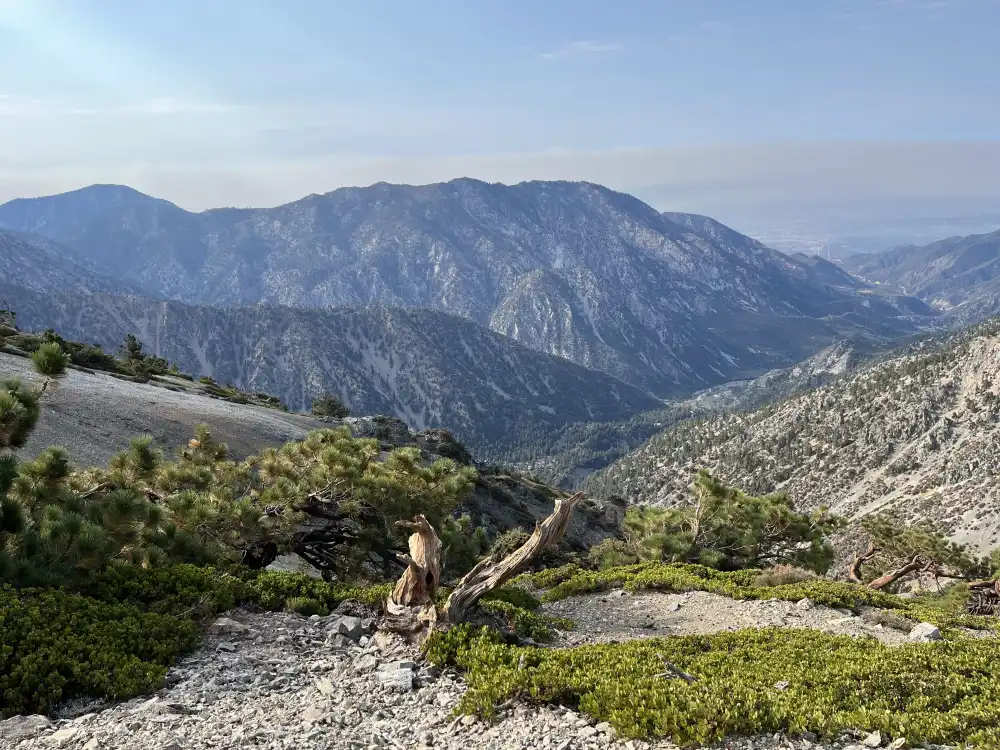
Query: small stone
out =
(227, 626)
(468, 720)
(605, 728)
(782, 685)
(398, 680)
(673, 606)
(873, 740)
(339, 641)
(365, 663)
(898, 744)
(227, 646)
(63, 736)
(925, 633)
(810, 736)
(587, 732)
(427, 738)
(312, 715)
(325, 687)
(92, 744)
(806, 603)
(349, 626)
(391, 666)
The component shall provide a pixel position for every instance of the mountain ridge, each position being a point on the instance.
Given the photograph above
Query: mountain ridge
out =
(668, 305)
(958, 275)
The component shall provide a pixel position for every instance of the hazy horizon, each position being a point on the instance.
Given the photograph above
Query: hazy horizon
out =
(716, 107)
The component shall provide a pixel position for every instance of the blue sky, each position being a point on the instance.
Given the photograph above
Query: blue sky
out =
(225, 102)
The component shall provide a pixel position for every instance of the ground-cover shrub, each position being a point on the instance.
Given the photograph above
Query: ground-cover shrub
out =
(748, 682)
(740, 584)
(519, 613)
(55, 645)
(115, 634)
(782, 575)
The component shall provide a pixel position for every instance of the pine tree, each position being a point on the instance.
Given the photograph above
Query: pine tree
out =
(724, 528)
(330, 406)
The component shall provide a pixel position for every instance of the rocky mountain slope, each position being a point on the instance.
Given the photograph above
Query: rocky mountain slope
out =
(568, 456)
(668, 303)
(959, 275)
(916, 433)
(428, 368)
(40, 264)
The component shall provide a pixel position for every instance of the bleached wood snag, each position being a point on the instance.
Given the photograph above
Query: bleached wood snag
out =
(411, 607)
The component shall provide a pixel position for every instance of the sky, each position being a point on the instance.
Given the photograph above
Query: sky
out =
(693, 104)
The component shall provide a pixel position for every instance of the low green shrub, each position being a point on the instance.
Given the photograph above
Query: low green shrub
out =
(524, 622)
(56, 645)
(304, 605)
(116, 633)
(273, 590)
(516, 596)
(945, 692)
(187, 590)
(783, 575)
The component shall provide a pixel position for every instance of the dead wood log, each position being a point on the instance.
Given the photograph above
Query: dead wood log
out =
(488, 575)
(411, 607)
(916, 563)
(854, 572)
(419, 583)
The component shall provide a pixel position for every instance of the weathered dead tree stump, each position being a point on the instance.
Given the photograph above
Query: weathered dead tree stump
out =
(411, 607)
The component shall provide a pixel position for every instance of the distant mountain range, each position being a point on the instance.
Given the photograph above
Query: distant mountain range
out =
(668, 303)
(959, 275)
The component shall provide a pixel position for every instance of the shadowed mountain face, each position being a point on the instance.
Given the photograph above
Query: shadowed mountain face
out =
(428, 368)
(669, 303)
(959, 275)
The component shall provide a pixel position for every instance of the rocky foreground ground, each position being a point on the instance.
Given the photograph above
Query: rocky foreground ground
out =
(288, 682)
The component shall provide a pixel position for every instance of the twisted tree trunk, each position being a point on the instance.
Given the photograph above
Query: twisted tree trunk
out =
(916, 564)
(411, 607)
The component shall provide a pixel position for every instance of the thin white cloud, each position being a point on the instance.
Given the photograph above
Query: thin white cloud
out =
(582, 48)
(172, 106)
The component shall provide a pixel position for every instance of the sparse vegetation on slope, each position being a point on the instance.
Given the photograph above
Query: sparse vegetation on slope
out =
(132, 363)
(914, 434)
